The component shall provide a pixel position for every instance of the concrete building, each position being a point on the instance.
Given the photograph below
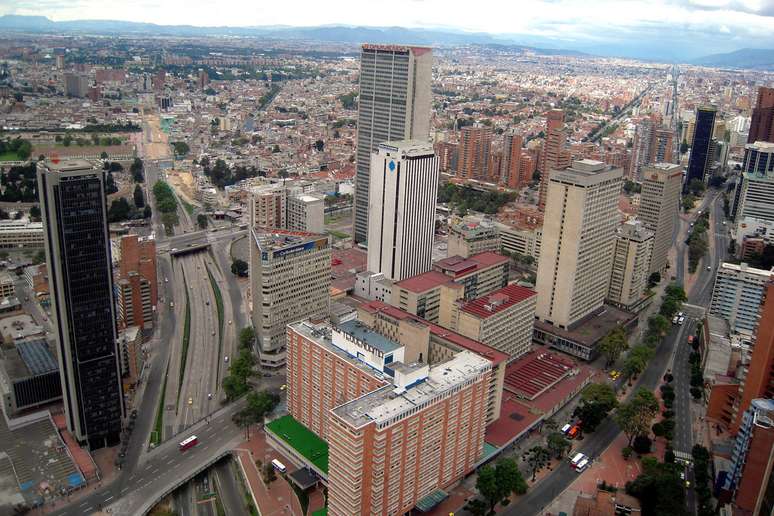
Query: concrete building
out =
(737, 295)
(29, 376)
(659, 208)
(402, 199)
(631, 265)
(502, 319)
(72, 197)
(373, 286)
(306, 212)
(474, 152)
(76, 84)
(137, 282)
(7, 286)
(526, 241)
(752, 460)
(475, 276)
(754, 195)
(132, 359)
(577, 248)
(641, 147)
(404, 441)
(15, 234)
(553, 155)
(268, 207)
(752, 236)
(290, 279)
(467, 238)
(661, 150)
(394, 104)
(762, 120)
(702, 146)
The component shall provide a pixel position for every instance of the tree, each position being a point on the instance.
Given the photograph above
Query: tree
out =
(659, 489)
(137, 170)
(147, 212)
(557, 444)
(613, 344)
(139, 197)
(239, 268)
(201, 220)
(537, 458)
(658, 324)
(634, 416)
(697, 187)
(35, 213)
(246, 337)
(654, 279)
(496, 483)
(181, 148)
(597, 400)
(39, 257)
(319, 145)
(642, 444)
(119, 210)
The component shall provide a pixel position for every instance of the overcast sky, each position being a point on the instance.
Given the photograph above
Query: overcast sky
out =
(715, 24)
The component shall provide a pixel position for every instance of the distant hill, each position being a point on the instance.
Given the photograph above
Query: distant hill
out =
(750, 58)
(333, 33)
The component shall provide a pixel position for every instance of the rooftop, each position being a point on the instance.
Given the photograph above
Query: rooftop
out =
(363, 333)
(270, 239)
(589, 330)
(424, 282)
(301, 439)
(67, 165)
(407, 148)
(536, 372)
(497, 301)
(457, 266)
(384, 405)
(743, 267)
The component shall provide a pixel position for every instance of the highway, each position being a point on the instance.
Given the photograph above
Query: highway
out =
(541, 495)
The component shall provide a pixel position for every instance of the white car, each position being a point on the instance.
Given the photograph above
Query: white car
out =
(675, 319)
(681, 320)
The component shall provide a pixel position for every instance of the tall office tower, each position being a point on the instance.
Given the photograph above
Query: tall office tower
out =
(762, 122)
(511, 165)
(401, 218)
(137, 287)
(72, 195)
(290, 279)
(702, 148)
(754, 195)
(752, 461)
(577, 248)
(394, 104)
(553, 155)
(659, 208)
(737, 295)
(475, 147)
(759, 380)
(268, 206)
(631, 264)
(661, 146)
(400, 443)
(76, 85)
(643, 138)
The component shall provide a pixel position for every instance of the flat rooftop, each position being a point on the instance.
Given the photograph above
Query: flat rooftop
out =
(591, 328)
(363, 333)
(383, 404)
(67, 165)
(271, 239)
(301, 439)
(536, 372)
(497, 301)
(32, 357)
(424, 282)
(456, 266)
(408, 148)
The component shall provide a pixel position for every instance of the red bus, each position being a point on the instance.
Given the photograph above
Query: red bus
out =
(189, 443)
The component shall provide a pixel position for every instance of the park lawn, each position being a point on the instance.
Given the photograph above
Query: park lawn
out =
(9, 156)
(301, 439)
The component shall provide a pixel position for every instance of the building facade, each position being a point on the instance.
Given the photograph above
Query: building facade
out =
(578, 233)
(737, 295)
(702, 148)
(394, 104)
(290, 279)
(15, 234)
(137, 282)
(402, 199)
(475, 148)
(754, 195)
(467, 238)
(752, 460)
(762, 121)
(631, 265)
(659, 208)
(78, 256)
(553, 155)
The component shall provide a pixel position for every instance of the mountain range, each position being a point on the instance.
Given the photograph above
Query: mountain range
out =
(762, 59)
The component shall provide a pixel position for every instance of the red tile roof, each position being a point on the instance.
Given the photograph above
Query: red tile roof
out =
(536, 372)
(424, 282)
(495, 356)
(497, 301)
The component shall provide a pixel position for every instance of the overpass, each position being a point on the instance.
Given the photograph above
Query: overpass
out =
(190, 248)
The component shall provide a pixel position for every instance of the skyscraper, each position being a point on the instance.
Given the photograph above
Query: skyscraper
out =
(474, 152)
(659, 205)
(702, 148)
(577, 248)
(137, 287)
(754, 196)
(401, 219)
(553, 156)
(394, 104)
(661, 146)
(643, 137)
(511, 165)
(72, 197)
(631, 260)
(762, 122)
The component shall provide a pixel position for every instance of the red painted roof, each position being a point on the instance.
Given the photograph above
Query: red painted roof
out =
(424, 282)
(497, 301)
(536, 372)
(457, 266)
(495, 356)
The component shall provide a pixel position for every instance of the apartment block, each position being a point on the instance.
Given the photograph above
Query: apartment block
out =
(502, 319)
(306, 212)
(553, 155)
(631, 265)
(525, 241)
(577, 248)
(400, 443)
(394, 104)
(137, 283)
(268, 207)
(753, 460)
(659, 208)
(467, 238)
(762, 120)
(290, 279)
(475, 148)
(737, 295)
(754, 195)
(402, 199)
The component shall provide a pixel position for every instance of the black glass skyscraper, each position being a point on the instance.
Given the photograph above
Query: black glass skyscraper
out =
(72, 198)
(701, 146)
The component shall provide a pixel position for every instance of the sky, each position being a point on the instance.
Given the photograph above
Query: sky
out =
(698, 26)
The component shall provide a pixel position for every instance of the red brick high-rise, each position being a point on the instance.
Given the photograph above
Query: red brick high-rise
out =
(474, 149)
(762, 123)
(137, 282)
(511, 166)
(553, 155)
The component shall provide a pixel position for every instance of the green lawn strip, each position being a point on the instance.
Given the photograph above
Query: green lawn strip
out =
(219, 304)
(159, 421)
(186, 339)
(321, 512)
(301, 439)
(338, 234)
(188, 207)
(9, 156)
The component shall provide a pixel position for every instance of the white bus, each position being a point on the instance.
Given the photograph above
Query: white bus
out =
(278, 466)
